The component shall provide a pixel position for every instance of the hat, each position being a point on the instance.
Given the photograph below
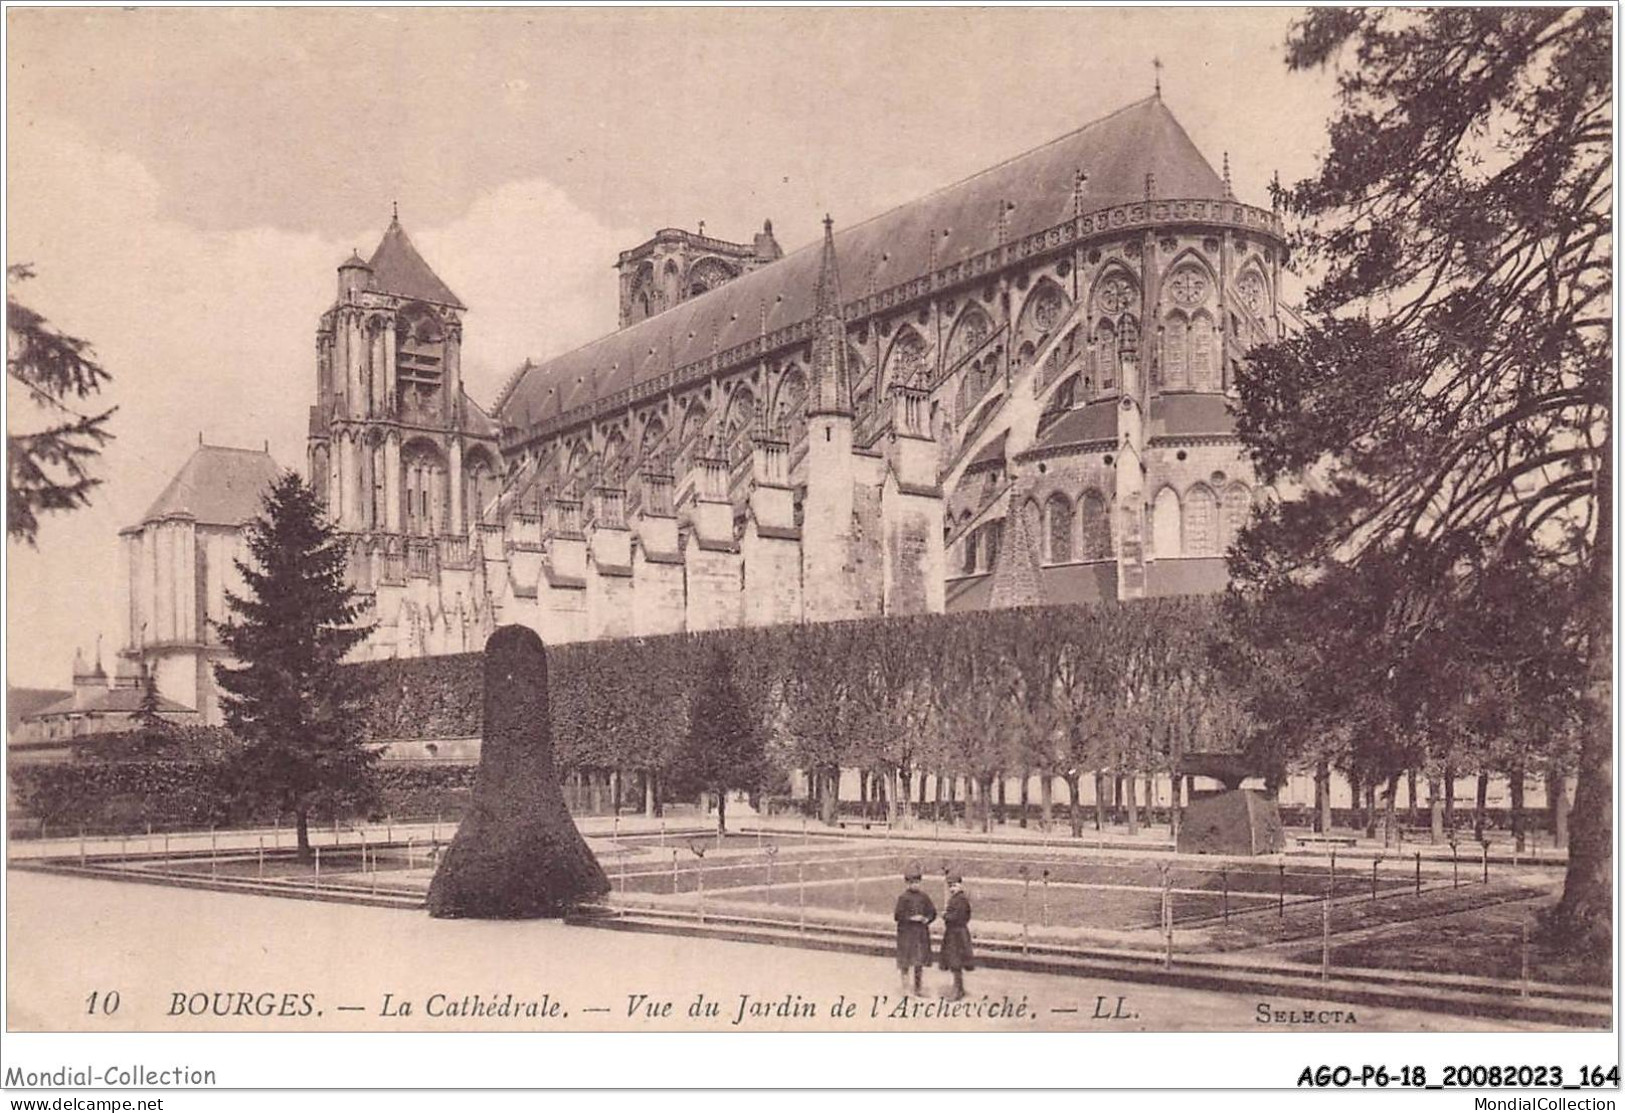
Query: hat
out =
(955, 877)
(913, 872)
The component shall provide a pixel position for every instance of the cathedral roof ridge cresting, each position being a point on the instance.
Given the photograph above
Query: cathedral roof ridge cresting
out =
(1019, 208)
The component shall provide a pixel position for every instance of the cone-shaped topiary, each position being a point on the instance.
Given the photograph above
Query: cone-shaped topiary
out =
(517, 853)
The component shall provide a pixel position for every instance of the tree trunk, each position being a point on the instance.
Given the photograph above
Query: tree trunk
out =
(1371, 810)
(1557, 800)
(829, 795)
(1435, 813)
(1515, 790)
(1002, 783)
(900, 798)
(1046, 798)
(1026, 776)
(1173, 807)
(302, 819)
(651, 806)
(1583, 918)
(1100, 801)
(1323, 798)
(1480, 801)
(722, 811)
(863, 793)
(936, 803)
(1389, 817)
(1449, 798)
(1075, 804)
(985, 790)
(1133, 805)
(1150, 800)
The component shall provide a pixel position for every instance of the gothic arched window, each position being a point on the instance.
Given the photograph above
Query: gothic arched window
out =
(1097, 526)
(1106, 356)
(480, 486)
(1203, 366)
(423, 488)
(1235, 507)
(1175, 345)
(969, 333)
(1201, 534)
(1059, 512)
(1165, 524)
(906, 362)
(419, 353)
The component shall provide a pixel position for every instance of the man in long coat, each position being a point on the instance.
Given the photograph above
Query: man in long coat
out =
(956, 954)
(914, 915)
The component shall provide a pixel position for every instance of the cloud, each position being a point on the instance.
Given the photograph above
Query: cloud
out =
(214, 333)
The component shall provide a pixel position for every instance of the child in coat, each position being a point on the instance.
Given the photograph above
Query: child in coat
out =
(956, 954)
(914, 915)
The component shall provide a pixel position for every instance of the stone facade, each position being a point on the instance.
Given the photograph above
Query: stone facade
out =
(180, 561)
(758, 444)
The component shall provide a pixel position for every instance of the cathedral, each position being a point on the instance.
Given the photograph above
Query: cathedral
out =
(1010, 391)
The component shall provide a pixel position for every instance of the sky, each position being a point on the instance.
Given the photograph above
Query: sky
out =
(185, 182)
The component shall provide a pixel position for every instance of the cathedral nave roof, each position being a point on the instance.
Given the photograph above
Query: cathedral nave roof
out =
(962, 220)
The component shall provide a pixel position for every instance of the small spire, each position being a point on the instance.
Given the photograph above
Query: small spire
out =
(1228, 192)
(1156, 64)
(1079, 180)
(831, 386)
(394, 212)
(1150, 185)
(702, 227)
(1275, 191)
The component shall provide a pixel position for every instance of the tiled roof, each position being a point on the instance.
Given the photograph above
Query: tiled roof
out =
(1186, 415)
(961, 220)
(1186, 576)
(398, 269)
(969, 594)
(990, 454)
(1095, 422)
(476, 420)
(1081, 583)
(23, 702)
(107, 700)
(217, 487)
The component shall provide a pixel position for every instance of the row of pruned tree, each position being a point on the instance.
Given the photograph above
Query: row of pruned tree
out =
(1061, 692)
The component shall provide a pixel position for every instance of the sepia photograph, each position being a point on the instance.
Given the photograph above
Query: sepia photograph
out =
(787, 522)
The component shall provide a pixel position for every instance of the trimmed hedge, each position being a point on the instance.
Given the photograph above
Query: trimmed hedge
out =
(963, 692)
(128, 797)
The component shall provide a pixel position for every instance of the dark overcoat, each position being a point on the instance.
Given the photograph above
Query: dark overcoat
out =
(914, 939)
(956, 950)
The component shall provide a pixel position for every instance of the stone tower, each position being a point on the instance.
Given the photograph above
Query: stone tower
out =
(383, 439)
(675, 265)
(403, 457)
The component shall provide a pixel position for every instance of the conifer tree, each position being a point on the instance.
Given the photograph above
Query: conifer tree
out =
(1450, 394)
(47, 466)
(153, 729)
(285, 695)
